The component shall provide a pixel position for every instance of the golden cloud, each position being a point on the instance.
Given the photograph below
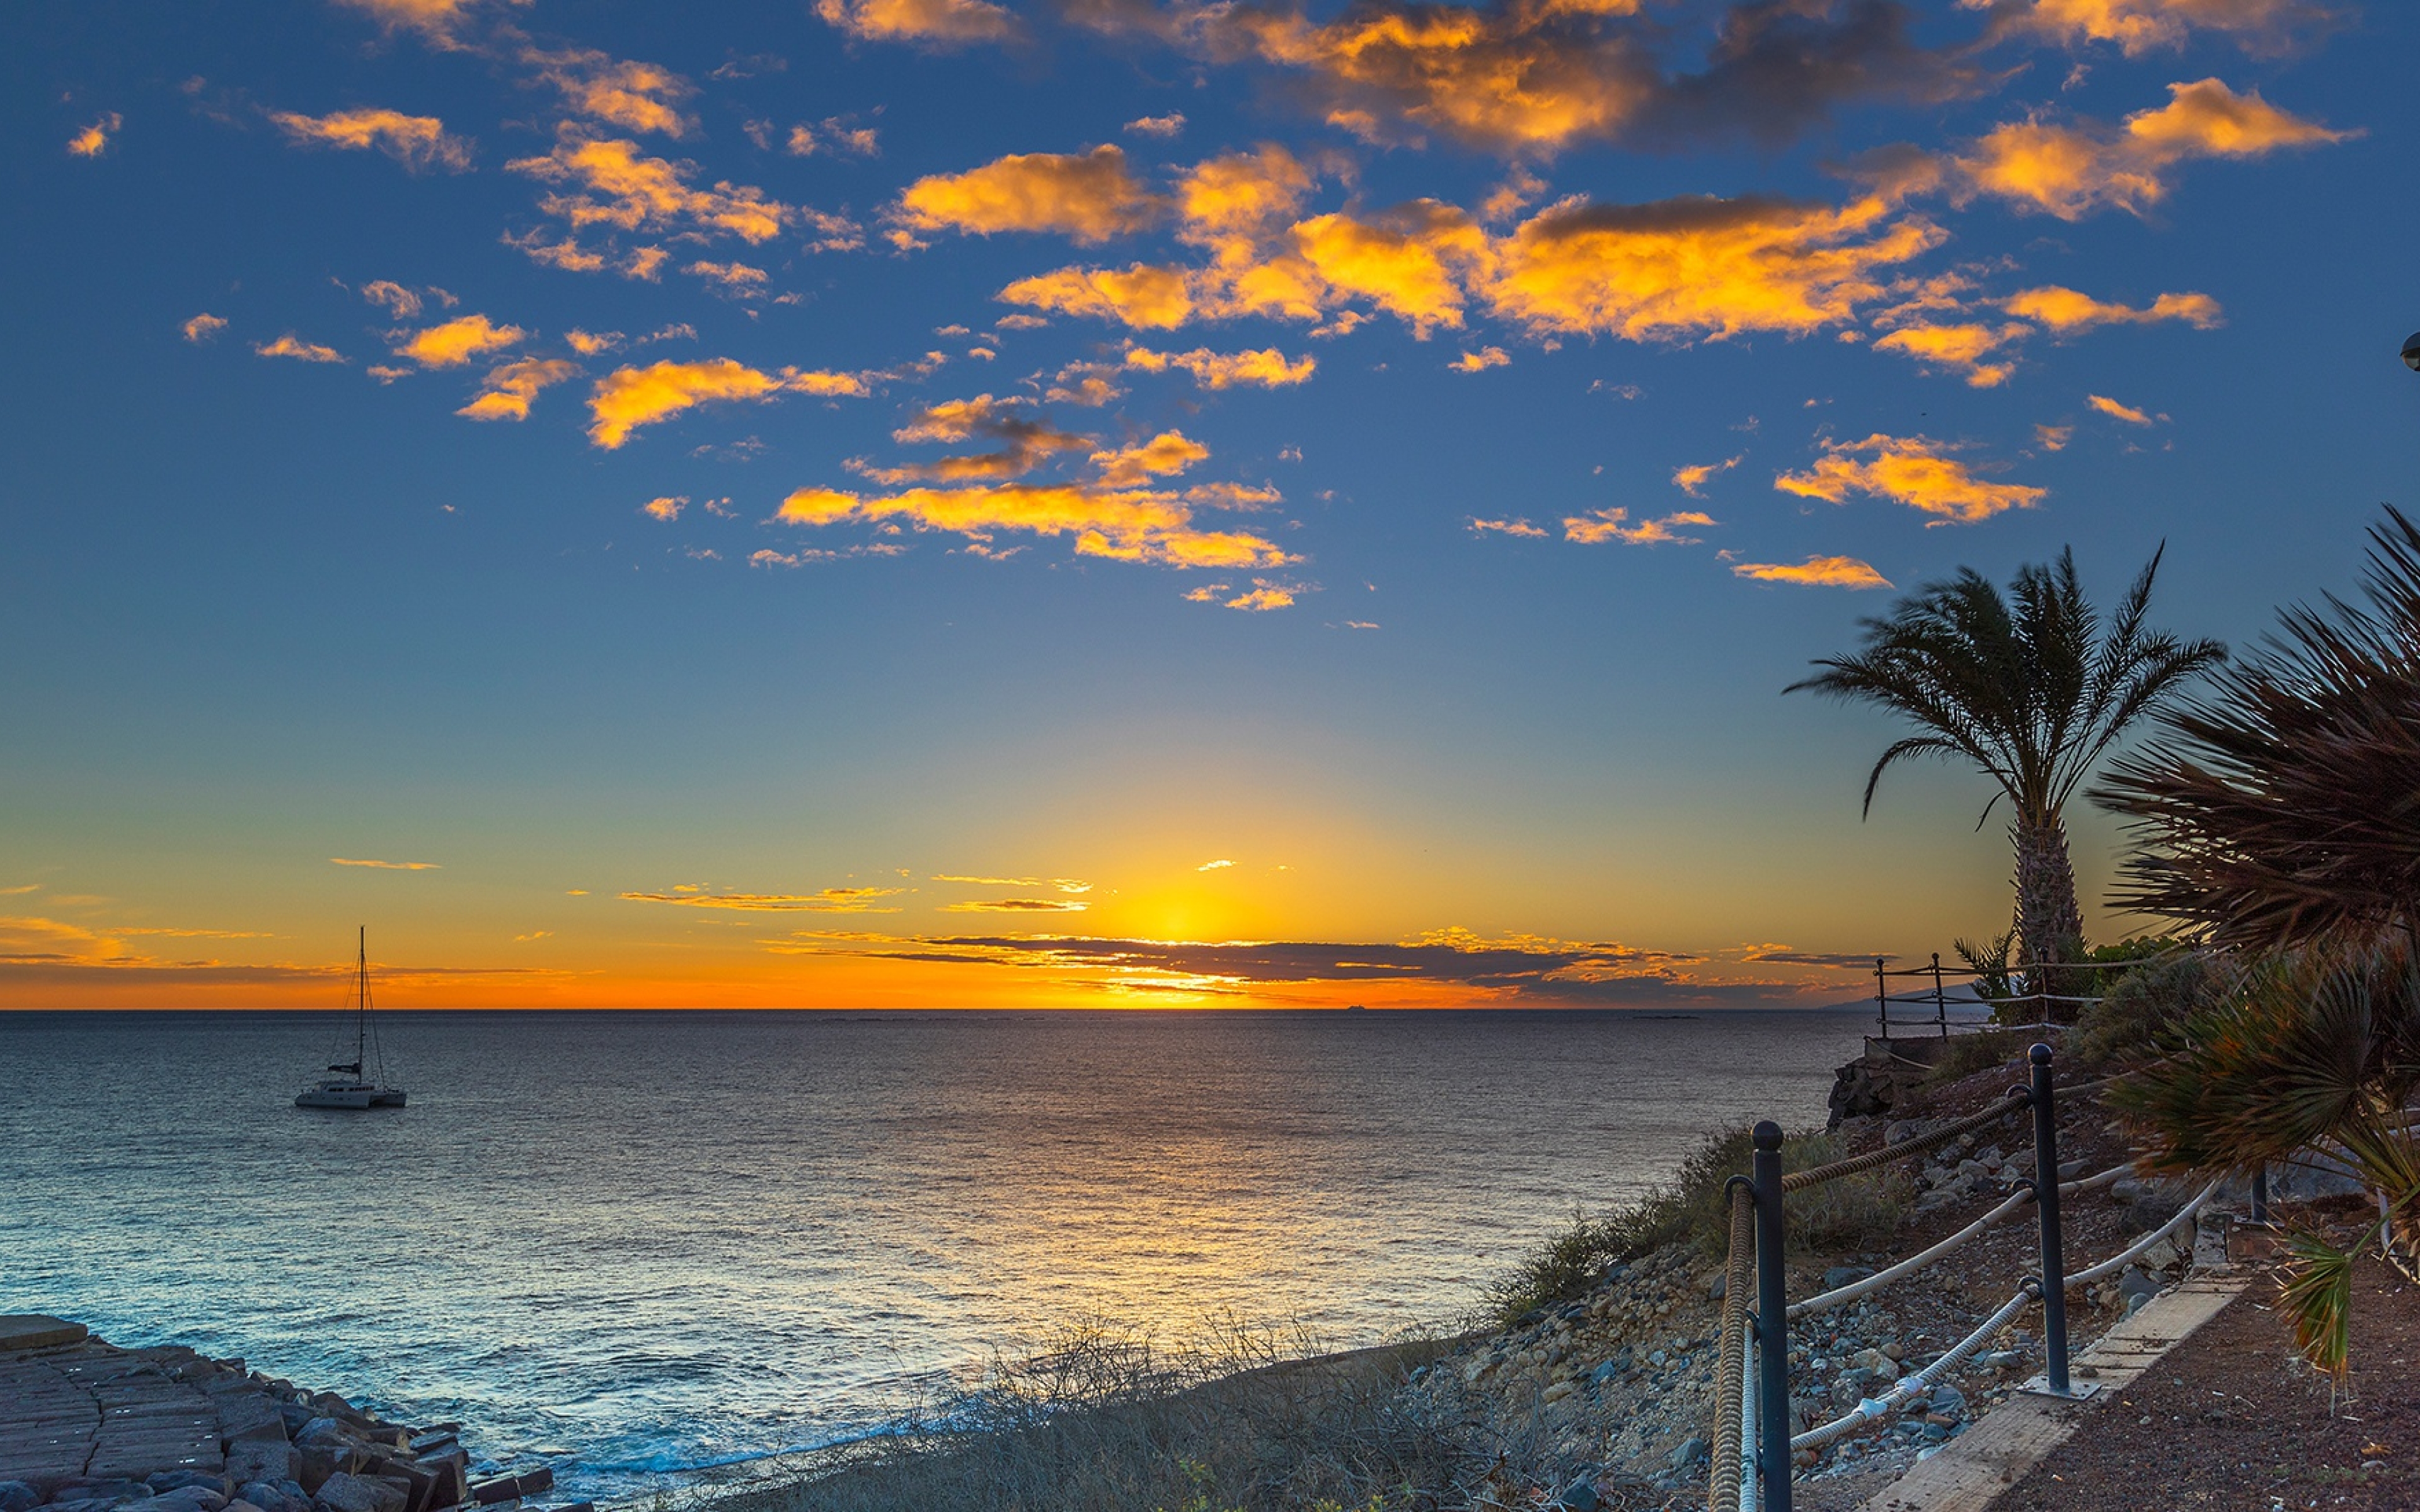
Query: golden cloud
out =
(1913, 471)
(458, 341)
(1027, 443)
(1601, 525)
(1409, 261)
(1016, 905)
(94, 140)
(1142, 296)
(945, 22)
(1506, 527)
(630, 397)
(1692, 480)
(2064, 310)
(1268, 368)
(2118, 412)
(290, 344)
(435, 19)
(2070, 171)
(1815, 572)
(2138, 26)
(384, 866)
(589, 342)
(1122, 524)
(1089, 197)
(1241, 192)
(1164, 456)
(394, 297)
(1481, 361)
(1263, 596)
(203, 327)
(417, 142)
(1960, 347)
(731, 277)
(1679, 270)
(828, 901)
(637, 97)
(666, 509)
(1169, 125)
(613, 183)
(510, 389)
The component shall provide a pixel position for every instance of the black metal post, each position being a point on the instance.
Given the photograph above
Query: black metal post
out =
(2260, 1195)
(1940, 1003)
(1882, 997)
(2054, 1261)
(1771, 1322)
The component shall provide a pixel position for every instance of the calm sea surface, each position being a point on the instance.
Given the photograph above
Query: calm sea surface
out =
(642, 1243)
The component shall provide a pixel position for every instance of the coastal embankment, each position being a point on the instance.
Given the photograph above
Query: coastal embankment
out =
(87, 1427)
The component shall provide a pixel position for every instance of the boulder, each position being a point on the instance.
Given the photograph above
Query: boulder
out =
(250, 1459)
(345, 1492)
(16, 1496)
(1579, 1496)
(274, 1495)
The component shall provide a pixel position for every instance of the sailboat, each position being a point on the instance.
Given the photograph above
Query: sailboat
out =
(351, 1088)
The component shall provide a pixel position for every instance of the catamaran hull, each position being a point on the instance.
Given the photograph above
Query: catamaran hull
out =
(346, 1099)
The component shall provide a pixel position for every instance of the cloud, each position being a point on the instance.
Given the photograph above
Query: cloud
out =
(1815, 572)
(509, 389)
(637, 97)
(1165, 455)
(1698, 267)
(1913, 471)
(2070, 171)
(1214, 866)
(588, 344)
(630, 397)
(1263, 596)
(732, 277)
(1692, 480)
(203, 327)
(1063, 884)
(2065, 311)
(1506, 527)
(1784, 955)
(417, 142)
(2053, 438)
(2116, 412)
(457, 342)
(301, 351)
(1411, 261)
(1027, 442)
(1143, 297)
(94, 140)
(1016, 905)
(2139, 26)
(1119, 524)
(384, 866)
(939, 22)
(1481, 361)
(1602, 525)
(1266, 369)
(392, 298)
(1169, 125)
(612, 182)
(828, 901)
(666, 509)
(1089, 198)
(435, 19)
(1962, 347)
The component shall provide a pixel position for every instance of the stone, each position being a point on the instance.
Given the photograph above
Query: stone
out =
(195, 1498)
(273, 1496)
(1686, 1454)
(1949, 1401)
(1843, 1275)
(295, 1416)
(16, 1496)
(1579, 1496)
(323, 1432)
(1721, 1288)
(39, 1331)
(1557, 1392)
(177, 1480)
(344, 1492)
(251, 1460)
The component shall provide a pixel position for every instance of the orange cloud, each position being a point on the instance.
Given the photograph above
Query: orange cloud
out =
(1408, 261)
(1506, 527)
(828, 901)
(203, 327)
(588, 344)
(945, 22)
(1169, 125)
(1962, 347)
(1240, 193)
(510, 389)
(394, 297)
(94, 140)
(1815, 572)
(613, 183)
(2118, 412)
(637, 97)
(417, 142)
(1121, 524)
(2138, 26)
(1601, 525)
(731, 277)
(2064, 310)
(1029, 443)
(666, 509)
(435, 19)
(1266, 369)
(1090, 198)
(1142, 296)
(1692, 480)
(1481, 361)
(458, 341)
(1911, 471)
(290, 344)
(630, 397)
(1679, 270)
(2070, 171)
(384, 866)
(1263, 596)
(1164, 456)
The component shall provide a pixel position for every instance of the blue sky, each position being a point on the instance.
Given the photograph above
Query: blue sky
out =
(1411, 622)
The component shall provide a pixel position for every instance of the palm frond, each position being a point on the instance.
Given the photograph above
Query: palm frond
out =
(2316, 1296)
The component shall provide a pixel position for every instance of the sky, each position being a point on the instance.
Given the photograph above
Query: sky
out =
(1121, 502)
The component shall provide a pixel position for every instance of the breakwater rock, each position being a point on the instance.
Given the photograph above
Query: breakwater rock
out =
(87, 1427)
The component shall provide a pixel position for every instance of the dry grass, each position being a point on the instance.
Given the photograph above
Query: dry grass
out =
(1240, 1419)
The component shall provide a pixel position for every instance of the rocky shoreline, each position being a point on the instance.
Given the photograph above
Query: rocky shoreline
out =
(87, 1427)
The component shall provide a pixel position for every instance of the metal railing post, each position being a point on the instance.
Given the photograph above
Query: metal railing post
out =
(1940, 1003)
(1882, 997)
(2054, 1261)
(1772, 1321)
(2260, 1195)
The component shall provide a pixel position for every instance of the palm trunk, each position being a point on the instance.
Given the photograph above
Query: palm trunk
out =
(2049, 925)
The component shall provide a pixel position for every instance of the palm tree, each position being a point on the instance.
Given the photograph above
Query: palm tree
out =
(2027, 689)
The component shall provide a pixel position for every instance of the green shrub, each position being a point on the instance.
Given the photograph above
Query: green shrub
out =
(2137, 1020)
(1964, 1055)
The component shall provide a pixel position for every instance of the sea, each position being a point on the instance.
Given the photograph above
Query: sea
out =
(643, 1246)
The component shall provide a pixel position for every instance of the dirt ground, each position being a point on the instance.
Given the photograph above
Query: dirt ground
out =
(2230, 1420)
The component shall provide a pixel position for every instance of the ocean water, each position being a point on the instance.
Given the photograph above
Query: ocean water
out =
(643, 1243)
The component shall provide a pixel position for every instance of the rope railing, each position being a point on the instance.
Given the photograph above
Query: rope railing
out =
(1752, 1449)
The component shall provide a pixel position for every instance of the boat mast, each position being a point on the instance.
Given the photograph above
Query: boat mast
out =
(361, 996)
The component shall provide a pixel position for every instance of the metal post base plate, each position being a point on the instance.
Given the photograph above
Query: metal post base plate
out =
(2077, 1391)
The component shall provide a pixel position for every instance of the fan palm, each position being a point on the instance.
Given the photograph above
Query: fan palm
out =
(2029, 689)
